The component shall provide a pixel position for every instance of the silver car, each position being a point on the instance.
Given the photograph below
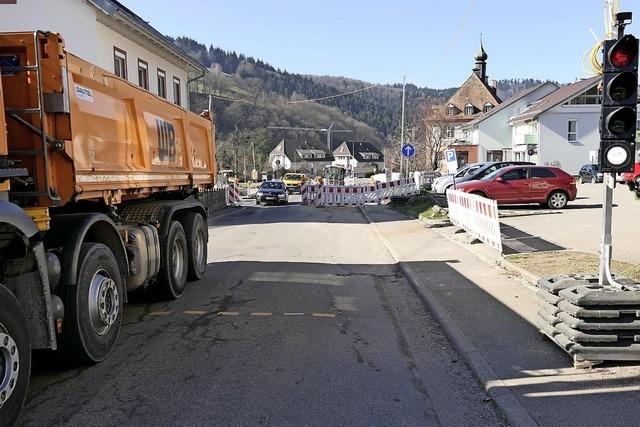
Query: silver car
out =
(441, 184)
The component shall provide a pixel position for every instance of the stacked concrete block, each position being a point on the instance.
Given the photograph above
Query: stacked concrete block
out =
(590, 322)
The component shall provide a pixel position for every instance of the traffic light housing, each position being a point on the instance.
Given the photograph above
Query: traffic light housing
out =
(619, 105)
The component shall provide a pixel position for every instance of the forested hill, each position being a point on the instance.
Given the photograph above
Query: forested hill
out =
(262, 97)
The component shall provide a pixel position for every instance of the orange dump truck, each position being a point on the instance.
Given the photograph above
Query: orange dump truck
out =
(101, 185)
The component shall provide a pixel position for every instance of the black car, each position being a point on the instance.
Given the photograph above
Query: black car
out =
(484, 169)
(272, 192)
(590, 173)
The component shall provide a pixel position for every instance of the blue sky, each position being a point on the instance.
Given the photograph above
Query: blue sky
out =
(380, 41)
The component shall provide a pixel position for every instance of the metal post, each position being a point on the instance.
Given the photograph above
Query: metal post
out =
(404, 83)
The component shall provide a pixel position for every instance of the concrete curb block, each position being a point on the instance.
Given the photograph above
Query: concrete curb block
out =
(532, 278)
(513, 410)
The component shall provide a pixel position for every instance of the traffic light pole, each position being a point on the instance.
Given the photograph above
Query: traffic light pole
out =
(606, 246)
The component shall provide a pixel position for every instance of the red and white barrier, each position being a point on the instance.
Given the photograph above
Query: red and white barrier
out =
(477, 215)
(334, 195)
(232, 194)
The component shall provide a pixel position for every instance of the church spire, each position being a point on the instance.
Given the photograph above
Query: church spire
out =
(481, 65)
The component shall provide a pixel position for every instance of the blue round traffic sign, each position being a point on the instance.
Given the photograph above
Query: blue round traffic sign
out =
(408, 150)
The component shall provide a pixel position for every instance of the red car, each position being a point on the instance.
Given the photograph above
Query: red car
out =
(632, 179)
(526, 184)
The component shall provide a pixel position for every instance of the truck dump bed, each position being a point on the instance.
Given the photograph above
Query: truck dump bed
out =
(84, 133)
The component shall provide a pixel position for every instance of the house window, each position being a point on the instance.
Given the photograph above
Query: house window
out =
(591, 96)
(448, 132)
(143, 74)
(488, 106)
(451, 110)
(162, 83)
(468, 110)
(494, 156)
(176, 91)
(572, 130)
(119, 62)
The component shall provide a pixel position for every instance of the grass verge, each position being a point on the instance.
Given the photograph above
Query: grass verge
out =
(422, 207)
(567, 262)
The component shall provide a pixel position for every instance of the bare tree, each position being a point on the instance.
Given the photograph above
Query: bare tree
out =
(430, 132)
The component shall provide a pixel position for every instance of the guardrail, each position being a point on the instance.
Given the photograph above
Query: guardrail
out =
(477, 215)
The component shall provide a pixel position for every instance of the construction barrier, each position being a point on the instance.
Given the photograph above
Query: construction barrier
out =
(334, 195)
(233, 194)
(477, 215)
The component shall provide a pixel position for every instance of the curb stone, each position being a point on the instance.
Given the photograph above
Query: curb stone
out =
(513, 410)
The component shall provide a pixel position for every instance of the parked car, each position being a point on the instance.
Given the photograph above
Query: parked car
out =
(440, 184)
(547, 185)
(294, 181)
(590, 173)
(272, 192)
(632, 179)
(478, 171)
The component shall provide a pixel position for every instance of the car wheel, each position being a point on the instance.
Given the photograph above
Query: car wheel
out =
(557, 200)
(257, 202)
(197, 238)
(594, 179)
(172, 277)
(93, 308)
(580, 180)
(15, 357)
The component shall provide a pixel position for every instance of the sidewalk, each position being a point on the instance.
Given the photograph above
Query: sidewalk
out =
(494, 310)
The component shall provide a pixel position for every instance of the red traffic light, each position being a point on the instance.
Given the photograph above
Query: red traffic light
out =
(624, 52)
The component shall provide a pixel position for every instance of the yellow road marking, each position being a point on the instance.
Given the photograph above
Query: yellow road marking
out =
(293, 314)
(228, 313)
(159, 313)
(323, 315)
(195, 312)
(261, 314)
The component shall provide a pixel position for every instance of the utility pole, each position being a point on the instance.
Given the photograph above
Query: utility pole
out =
(404, 84)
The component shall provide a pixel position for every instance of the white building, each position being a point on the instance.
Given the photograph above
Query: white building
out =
(491, 131)
(106, 33)
(560, 129)
(299, 156)
(359, 158)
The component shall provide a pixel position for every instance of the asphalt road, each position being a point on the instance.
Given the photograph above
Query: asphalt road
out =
(302, 319)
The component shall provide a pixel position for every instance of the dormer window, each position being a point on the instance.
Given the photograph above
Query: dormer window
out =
(452, 110)
(488, 106)
(469, 110)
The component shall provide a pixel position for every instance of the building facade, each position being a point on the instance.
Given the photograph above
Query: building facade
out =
(490, 132)
(359, 158)
(562, 128)
(107, 34)
(300, 156)
(473, 98)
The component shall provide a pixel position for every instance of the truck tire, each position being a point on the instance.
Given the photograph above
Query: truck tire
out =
(93, 308)
(197, 236)
(15, 358)
(174, 257)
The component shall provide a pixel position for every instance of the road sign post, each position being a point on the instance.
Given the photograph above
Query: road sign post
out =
(452, 163)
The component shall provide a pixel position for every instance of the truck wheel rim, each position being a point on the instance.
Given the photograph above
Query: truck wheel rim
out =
(9, 365)
(177, 259)
(557, 200)
(199, 249)
(104, 302)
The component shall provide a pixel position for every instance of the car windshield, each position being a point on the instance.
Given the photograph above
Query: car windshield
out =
(269, 185)
(462, 172)
(293, 176)
(491, 176)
